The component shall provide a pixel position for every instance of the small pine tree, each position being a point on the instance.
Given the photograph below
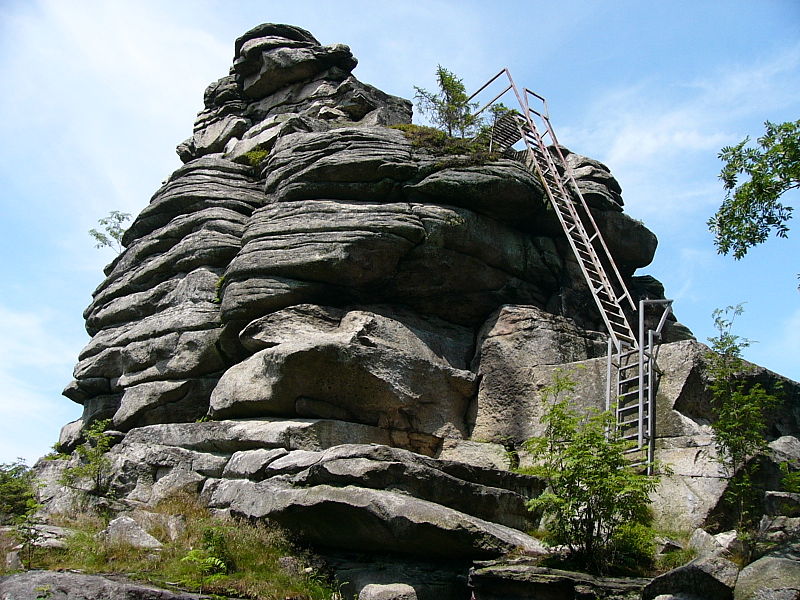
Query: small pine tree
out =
(448, 108)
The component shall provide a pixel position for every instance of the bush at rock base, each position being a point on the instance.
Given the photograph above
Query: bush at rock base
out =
(595, 504)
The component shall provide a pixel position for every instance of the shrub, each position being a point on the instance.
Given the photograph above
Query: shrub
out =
(94, 465)
(17, 496)
(594, 503)
(740, 408)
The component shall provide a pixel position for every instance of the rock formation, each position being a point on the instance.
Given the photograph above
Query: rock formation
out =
(366, 325)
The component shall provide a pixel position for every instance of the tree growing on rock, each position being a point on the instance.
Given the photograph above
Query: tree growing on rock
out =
(111, 237)
(449, 108)
(94, 465)
(595, 503)
(740, 408)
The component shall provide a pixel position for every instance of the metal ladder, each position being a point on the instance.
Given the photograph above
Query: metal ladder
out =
(631, 358)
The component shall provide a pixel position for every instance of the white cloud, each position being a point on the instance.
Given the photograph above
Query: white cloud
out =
(34, 365)
(661, 141)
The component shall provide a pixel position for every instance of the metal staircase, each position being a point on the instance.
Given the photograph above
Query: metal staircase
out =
(631, 359)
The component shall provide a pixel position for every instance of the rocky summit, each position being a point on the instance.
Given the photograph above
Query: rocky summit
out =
(318, 322)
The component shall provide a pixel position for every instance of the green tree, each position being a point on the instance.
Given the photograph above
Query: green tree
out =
(17, 495)
(740, 410)
(594, 502)
(448, 108)
(95, 465)
(751, 209)
(111, 237)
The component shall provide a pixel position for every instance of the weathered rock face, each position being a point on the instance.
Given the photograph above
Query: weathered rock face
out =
(339, 213)
(368, 326)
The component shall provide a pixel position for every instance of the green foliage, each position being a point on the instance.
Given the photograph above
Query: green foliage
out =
(256, 156)
(111, 237)
(790, 480)
(740, 408)
(594, 502)
(218, 290)
(217, 555)
(675, 559)
(95, 465)
(208, 568)
(438, 143)
(751, 210)
(17, 495)
(448, 108)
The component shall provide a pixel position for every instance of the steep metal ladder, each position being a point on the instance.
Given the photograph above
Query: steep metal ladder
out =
(631, 358)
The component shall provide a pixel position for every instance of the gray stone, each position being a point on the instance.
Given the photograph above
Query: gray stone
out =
(13, 561)
(216, 135)
(503, 190)
(252, 464)
(232, 435)
(383, 468)
(704, 544)
(479, 454)
(377, 520)
(370, 369)
(518, 349)
(390, 591)
(277, 67)
(171, 527)
(507, 579)
(77, 586)
(710, 578)
(782, 504)
(392, 251)
(769, 578)
(124, 530)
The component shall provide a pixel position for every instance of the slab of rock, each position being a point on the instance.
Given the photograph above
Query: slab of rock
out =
(387, 591)
(478, 492)
(31, 585)
(518, 349)
(370, 369)
(710, 578)
(374, 520)
(126, 531)
(769, 578)
(512, 579)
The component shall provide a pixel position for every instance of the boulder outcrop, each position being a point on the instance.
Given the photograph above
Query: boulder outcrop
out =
(319, 322)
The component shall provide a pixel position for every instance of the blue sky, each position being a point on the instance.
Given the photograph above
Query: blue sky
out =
(96, 95)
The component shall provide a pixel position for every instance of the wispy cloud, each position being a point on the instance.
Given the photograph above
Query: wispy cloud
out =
(663, 139)
(33, 358)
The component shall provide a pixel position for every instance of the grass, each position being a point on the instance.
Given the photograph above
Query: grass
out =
(255, 157)
(438, 143)
(209, 554)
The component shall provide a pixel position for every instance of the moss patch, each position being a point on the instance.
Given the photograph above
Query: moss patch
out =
(438, 143)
